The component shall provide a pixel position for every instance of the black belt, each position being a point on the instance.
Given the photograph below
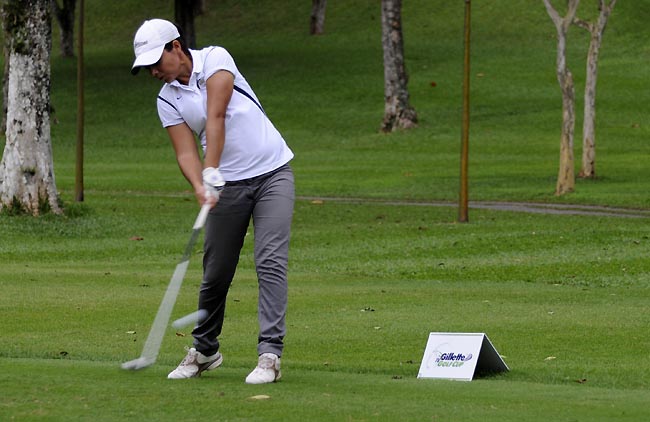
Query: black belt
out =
(256, 178)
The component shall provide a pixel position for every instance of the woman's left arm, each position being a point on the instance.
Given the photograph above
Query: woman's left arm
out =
(219, 87)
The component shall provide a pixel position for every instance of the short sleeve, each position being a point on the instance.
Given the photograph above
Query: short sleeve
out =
(218, 59)
(168, 113)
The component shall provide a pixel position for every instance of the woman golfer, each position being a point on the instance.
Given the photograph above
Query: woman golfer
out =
(244, 174)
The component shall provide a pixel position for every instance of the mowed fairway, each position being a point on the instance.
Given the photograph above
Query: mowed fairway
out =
(564, 298)
(368, 284)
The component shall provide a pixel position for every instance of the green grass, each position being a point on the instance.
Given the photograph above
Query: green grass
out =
(326, 96)
(368, 283)
(564, 298)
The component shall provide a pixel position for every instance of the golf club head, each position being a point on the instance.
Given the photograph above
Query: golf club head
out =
(137, 364)
(192, 318)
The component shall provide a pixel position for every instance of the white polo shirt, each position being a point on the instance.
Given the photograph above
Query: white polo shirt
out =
(253, 145)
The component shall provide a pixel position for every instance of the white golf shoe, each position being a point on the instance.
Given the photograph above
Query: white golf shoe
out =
(267, 370)
(194, 364)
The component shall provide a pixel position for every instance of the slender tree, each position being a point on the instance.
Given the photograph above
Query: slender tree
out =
(184, 13)
(398, 113)
(596, 30)
(65, 17)
(566, 174)
(27, 170)
(317, 22)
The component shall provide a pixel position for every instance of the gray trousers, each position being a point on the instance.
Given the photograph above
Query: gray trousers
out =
(267, 199)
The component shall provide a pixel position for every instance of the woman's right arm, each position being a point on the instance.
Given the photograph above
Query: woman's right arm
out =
(189, 161)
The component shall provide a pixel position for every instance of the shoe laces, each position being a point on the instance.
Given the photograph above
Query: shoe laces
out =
(266, 362)
(190, 358)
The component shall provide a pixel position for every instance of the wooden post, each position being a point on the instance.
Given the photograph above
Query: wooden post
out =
(79, 170)
(463, 216)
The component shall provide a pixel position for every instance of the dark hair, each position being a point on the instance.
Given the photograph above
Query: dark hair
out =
(170, 45)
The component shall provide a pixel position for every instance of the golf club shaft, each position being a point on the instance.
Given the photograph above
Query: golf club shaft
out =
(159, 326)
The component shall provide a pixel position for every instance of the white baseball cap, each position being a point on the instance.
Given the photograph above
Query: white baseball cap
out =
(150, 40)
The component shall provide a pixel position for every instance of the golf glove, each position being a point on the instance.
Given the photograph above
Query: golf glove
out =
(213, 181)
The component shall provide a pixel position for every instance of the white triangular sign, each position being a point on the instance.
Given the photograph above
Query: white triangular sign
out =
(460, 356)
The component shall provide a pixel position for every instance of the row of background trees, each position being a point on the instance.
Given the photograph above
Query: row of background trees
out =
(566, 177)
(26, 171)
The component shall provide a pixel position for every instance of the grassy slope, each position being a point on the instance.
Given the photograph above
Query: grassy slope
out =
(325, 94)
(572, 288)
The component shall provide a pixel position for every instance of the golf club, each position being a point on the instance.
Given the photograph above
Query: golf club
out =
(190, 319)
(157, 331)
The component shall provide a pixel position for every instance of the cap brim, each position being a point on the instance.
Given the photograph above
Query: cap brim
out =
(146, 59)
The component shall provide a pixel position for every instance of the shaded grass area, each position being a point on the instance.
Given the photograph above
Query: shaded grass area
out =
(325, 94)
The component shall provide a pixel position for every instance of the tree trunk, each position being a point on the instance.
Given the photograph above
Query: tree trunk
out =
(5, 77)
(566, 173)
(27, 171)
(184, 13)
(317, 23)
(398, 114)
(65, 18)
(588, 168)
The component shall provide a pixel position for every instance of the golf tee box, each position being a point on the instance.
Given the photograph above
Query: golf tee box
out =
(460, 356)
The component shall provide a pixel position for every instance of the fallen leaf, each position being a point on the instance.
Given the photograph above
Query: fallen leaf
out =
(581, 381)
(180, 334)
(130, 332)
(259, 397)
(550, 358)
(136, 238)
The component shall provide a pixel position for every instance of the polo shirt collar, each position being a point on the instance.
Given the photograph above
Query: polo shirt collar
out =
(197, 69)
